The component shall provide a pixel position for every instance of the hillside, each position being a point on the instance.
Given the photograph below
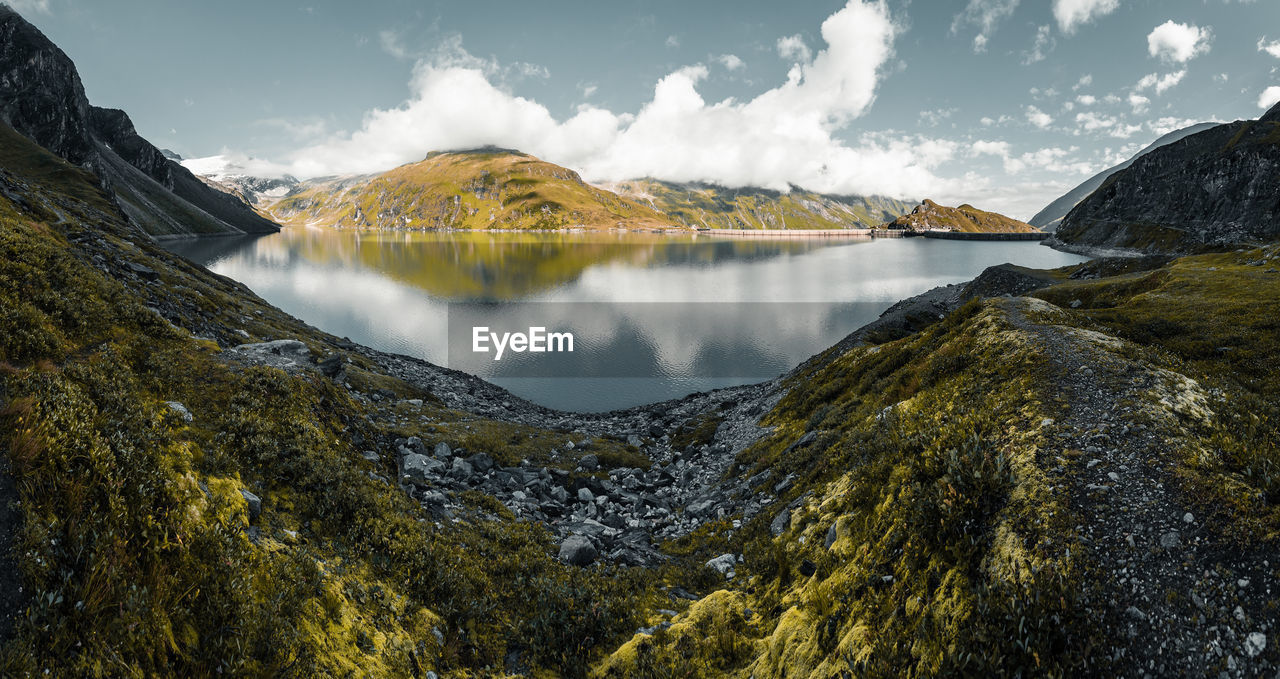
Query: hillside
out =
(716, 207)
(41, 96)
(965, 219)
(1213, 190)
(481, 189)
(1053, 213)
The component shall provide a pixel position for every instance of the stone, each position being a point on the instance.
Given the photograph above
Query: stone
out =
(481, 463)
(285, 351)
(724, 565)
(577, 550)
(1188, 518)
(1171, 539)
(255, 504)
(1135, 613)
(700, 508)
(807, 568)
(585, 495)
(180, 410)
(655, 431)
(420, 468)
(1076, 304)
(371, 456)
(461, 469)
(634, 440)
(1113, 476)
(442, 451)
(589, 463)
(1255, 644)
(830, 539)
(780, 523)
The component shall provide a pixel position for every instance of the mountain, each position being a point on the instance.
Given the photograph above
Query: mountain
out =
(1049, 218)
(42, 97)
(477, 189)
(966, 218)
(990, 485)
(1213, 190)
(716, 207)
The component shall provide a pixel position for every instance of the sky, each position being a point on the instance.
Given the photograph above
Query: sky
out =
(1004, 104)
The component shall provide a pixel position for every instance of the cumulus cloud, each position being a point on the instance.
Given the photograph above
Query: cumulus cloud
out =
(787, 135)
(1052, 159)
(1160, 82)
(1038, 118)
(673, 41)
(1178, 43)
(794, 48)
(1085, 81)
(1269, 97)
(1138, 102)
(1040, 49)
(986, 15)
(1272, 47)
(730, 61)
(1072, 14)
(1086, 100)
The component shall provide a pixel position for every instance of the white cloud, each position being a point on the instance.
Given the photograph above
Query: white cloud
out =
(1269, 97)
(673, 41)
(730, 61)
(794, 48)
(1085, 81)
(1086, 100)
(1178, 43)
(986, 15)
(786, 135)
(1272, 48)
(1038, 118)
(1160, 82)
(24, 6)
(1138, 102)
(1091, 121)
(1071, 14)
(935, 117)
(1043, 45)
(989, 148)
(1051, 159)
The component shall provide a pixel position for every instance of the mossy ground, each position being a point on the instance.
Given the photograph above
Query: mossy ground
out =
(136, 545)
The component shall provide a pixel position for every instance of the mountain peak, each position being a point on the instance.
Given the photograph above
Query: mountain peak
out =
(929, 215)
(1271, 116)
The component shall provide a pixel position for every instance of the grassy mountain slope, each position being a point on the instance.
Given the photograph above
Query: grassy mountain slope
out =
(709, 206)
(939, 510)
(486, 189)
(966, 218)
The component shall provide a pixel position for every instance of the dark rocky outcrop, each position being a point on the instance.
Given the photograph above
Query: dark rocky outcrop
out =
(42, 97)
(1210, 191)
(1051, 216)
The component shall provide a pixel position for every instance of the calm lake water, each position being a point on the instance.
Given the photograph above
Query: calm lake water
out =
(654, 317)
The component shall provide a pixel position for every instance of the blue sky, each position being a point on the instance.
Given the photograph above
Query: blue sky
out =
(1001, 103)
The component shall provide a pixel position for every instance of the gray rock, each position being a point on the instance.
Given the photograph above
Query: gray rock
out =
(724, 565)
(780, 523)
(577, 550)
(420, 469)
(634, 440)
(1255, 644)
(700, 508)
(442, 451)
(1171, 539)
(255, 504)
(808, 568)
(461, 469)
(181, 410)
(1135, 613)
(481, 463)
(830, 538)
(285, 352)
(589, 463)
(371, 456)
(585, 495)
(1188, 518)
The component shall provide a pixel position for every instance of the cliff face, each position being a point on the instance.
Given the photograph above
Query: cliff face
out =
(42, 97)
(1211, 191)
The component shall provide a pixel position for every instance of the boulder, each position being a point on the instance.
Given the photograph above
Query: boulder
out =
(420, 469)
(255, 504)
(589, 463)
(481, 463)
(180, 410)
(724, 565)
(577, 550)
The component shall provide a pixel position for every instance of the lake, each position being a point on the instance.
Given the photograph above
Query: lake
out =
(652, 316)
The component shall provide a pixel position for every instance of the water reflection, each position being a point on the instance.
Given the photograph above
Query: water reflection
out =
(393, 291)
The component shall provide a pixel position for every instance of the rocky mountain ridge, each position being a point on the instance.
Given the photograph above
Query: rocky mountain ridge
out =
(930, 216)
(1209, 191)
(42, 97)
(1051, 216)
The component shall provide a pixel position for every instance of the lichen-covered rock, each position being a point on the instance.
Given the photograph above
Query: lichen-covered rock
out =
(577, 550)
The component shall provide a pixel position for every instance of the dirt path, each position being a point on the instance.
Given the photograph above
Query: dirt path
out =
(1178, 598)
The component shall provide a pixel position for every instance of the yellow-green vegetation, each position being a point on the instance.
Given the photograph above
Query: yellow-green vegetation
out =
(965, 219)
(949, 553)
(138, 548)
(486, 189)
(716, 207)
(1209, 317)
